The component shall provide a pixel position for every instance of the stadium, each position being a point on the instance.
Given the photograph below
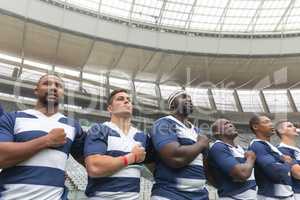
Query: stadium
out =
(234, 57)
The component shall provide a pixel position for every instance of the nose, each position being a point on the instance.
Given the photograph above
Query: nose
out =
(52, 87)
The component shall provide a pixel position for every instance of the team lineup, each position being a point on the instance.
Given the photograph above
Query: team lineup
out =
(35, 145)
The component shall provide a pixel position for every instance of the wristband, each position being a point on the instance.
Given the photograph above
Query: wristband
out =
(125, 160)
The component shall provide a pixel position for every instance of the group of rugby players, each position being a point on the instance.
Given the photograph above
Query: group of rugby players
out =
(35, 145)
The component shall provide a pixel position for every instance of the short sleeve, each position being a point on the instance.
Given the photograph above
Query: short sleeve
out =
(221, 155)
(7, 123)
(77, 147)
(96, 140)
(162, 133)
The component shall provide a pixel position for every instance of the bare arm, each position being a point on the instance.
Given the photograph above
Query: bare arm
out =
(242, 172)
(102, 165)
(177, 156)
(12, 153)
(295, 168)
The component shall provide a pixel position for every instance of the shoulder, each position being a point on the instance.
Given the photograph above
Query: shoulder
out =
(164, 120)
(69, 121)
(218, 147)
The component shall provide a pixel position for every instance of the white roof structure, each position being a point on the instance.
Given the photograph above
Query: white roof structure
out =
(215, 16)
(231, 55)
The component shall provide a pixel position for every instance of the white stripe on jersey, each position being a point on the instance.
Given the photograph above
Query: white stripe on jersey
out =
(198, 160)
(132, 172)
(47, 158)
(120, 143)
(31, 192)
(115, 196)
(190, 185)
(261, 197)
(282, 190)
(42, 124)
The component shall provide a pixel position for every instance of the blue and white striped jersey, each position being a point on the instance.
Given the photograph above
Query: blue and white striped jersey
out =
(272, 174)
(108, 139)
(222, 158)
(183, 183)
(294, 153)
(42, 176)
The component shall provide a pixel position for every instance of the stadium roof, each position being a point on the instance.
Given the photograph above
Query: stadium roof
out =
(216, 16)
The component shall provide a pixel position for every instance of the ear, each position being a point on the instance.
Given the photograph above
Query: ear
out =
(109, 108)
(255, 127)
(35, 90)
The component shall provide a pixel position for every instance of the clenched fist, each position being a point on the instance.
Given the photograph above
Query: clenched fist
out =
(203, 141)
(56, 137)
(139, 153)
(250, 155)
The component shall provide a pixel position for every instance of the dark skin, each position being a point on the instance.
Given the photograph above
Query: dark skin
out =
(227, 133)
(264, 129)
(48, 91)
(174, 154)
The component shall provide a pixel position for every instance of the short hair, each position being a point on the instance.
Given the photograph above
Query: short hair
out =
(254, 120)
(278, 125)
(113, 93)
(51, 74)
(215, 129)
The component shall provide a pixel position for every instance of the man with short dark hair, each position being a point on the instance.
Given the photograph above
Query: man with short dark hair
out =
(35, 144)
(288, 134)
(230, 166)
(179, 170)
(272, 169)
(111, 149)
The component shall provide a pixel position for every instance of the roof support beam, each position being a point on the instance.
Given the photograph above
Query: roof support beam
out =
(255, 16)
(131, 10)
(286, 14)
(93, 42)
(117, 60)
(24, 39)
(264, 102)
(59, 36)
(211, 99)
(223, 16)
(191, 13)
(237, 101)
(161, 13)
(291, 100)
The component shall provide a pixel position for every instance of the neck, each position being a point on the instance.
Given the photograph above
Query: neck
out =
(288, 141)
(228, 141)
(123, 123)
(262, 136)
(180, 117)
(46, 110)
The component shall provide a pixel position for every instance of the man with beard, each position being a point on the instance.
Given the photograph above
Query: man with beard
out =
(272, 169)
(230, 165)
(287, 132)
(179, 170)
(111, 149)
(35, 144)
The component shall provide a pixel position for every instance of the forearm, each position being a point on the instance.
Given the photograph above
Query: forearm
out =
(276, 172)
(295, 169)
(243, 171)
(102, 166)
(185, 154)
(12, 153)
